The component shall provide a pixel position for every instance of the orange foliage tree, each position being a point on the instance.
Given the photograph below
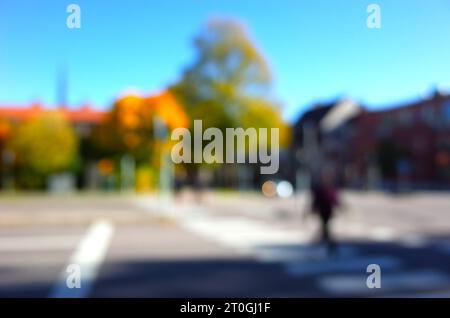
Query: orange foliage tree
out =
(129, 126)
(5, 132)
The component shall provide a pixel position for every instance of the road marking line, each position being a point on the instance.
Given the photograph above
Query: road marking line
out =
(89, 255)
(382, 234)
(242, 233)
(414, 241)
(342, 284)
(301, 253)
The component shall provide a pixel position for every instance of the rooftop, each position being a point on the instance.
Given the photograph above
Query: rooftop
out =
(84, 114)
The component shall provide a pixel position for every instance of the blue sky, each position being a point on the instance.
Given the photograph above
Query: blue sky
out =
(318, 50)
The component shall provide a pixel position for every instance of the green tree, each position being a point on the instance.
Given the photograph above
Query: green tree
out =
(229, 83)
(44, 145)
(228, 70)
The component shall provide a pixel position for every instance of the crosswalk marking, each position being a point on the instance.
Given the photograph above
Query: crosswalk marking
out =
(382, 234)
(342, 276)
(89, 256)
(413, 241)
(242, 233)
(341, 284)
(295, 252)
(300, 253)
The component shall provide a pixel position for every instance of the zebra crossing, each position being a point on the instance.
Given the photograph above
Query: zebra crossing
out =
(344, 275)
(279, 257)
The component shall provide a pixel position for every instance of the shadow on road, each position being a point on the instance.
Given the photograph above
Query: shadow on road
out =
(288, 271)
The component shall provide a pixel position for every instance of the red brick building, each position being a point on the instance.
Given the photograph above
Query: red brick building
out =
(406, 146)
(409, 143)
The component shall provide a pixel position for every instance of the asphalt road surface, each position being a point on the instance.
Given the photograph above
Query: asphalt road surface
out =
(229, 245)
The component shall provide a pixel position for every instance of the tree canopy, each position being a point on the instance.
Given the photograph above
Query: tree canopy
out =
(229, 83)
(45, 144)
(129, 126)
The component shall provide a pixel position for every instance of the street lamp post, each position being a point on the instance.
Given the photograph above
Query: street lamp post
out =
(166, 171)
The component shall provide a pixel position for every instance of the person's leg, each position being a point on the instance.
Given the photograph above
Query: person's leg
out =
(326, 235)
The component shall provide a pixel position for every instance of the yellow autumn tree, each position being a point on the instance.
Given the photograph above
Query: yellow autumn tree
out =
(43, 145)
(229, 83)
(129, 126)
(129, 129)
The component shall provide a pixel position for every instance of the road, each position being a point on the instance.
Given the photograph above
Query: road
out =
(230, 245)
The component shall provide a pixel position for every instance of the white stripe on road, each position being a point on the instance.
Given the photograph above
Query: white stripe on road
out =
(414, 241)
(89, 255)
(301, 253)
(242, 233)
(344, 284)
(382, 234)
(343, 275)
